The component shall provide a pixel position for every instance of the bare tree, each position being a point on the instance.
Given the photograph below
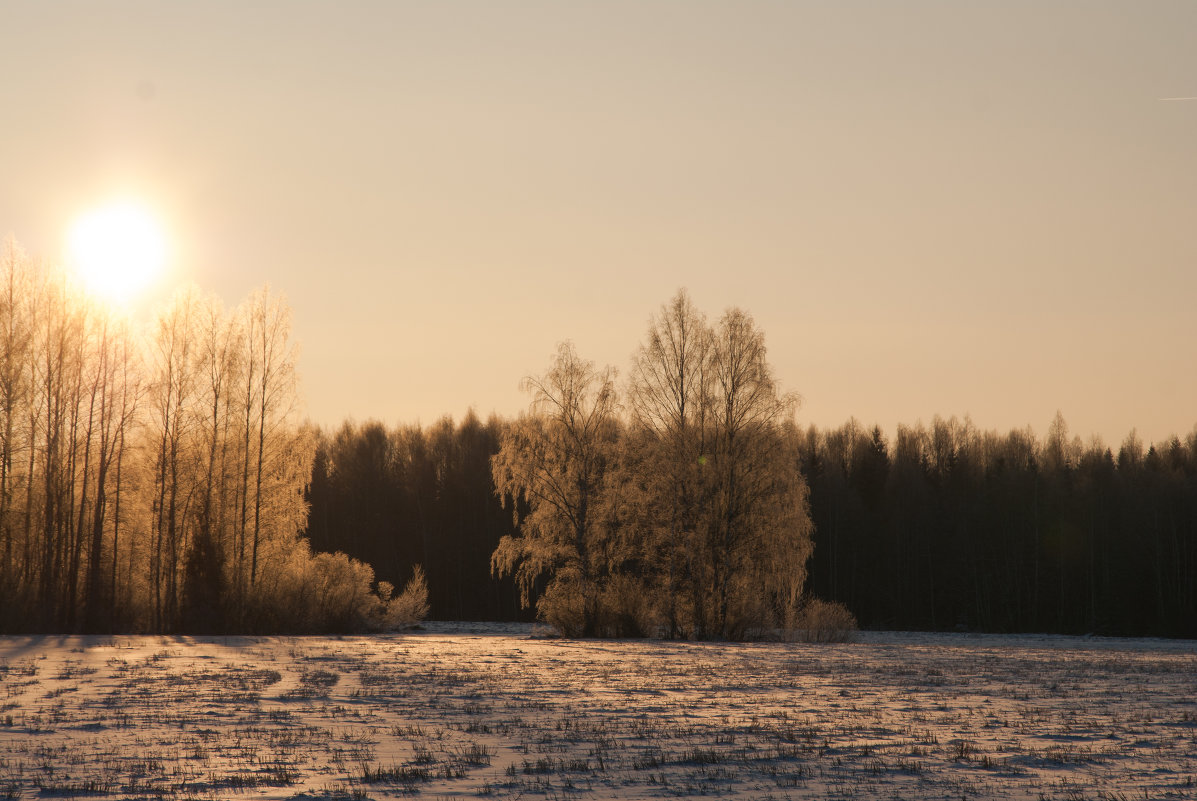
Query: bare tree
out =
(270, 439)
(669, 395)
(103, 521)
(15, 350)
(555, 459)
(204, 571)
(716, 456)
(758, 536)
(172, 397)
(59, 344)
(128, 391)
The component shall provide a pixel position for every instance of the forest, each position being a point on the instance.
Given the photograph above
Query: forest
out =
(946, 528)
(164, 481)
(950, 527)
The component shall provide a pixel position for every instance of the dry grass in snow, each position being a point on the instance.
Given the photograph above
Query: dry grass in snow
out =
(474, 710)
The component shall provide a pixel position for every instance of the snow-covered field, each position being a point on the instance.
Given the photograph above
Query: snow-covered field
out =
(464, 710)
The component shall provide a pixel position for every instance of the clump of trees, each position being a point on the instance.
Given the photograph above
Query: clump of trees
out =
(154, 481)
(687, 516)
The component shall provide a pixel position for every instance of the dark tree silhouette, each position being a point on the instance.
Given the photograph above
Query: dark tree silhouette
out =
(1006, 532)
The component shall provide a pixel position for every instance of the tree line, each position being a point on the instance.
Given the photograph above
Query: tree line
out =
(615, 527)
(943, 527)
(951, 527)
(154, 480)
(161, 480)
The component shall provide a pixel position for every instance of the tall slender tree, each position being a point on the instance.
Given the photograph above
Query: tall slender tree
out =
(669, 396)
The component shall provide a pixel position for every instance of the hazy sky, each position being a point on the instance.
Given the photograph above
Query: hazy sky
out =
(929, 207)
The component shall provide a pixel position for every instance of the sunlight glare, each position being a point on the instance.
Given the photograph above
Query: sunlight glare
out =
(117, 250)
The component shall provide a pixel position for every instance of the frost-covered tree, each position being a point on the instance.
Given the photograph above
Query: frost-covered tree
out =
(555, 458)
(669, 397)
(16, 327)
(151, 483)
(713, 450)
(757, 536)
(173, 426)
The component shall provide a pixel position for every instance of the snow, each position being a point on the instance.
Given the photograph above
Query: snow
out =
(471, 709)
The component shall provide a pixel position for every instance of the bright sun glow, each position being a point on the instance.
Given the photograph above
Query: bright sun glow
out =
(117, 250)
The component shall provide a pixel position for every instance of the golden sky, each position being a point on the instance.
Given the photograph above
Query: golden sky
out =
(929, 207)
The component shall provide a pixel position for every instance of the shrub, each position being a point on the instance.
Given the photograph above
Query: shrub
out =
(750, 614)
(340, 587)
(409, 608)
(300, 592)
(331, 592)
(625, 608)
(563, 606)
(823, 621)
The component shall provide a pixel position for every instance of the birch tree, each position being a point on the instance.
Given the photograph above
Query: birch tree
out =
(758, 535)
(555, 459)
(724, 504)
(172, 396)
(669, 396)
(16, 326)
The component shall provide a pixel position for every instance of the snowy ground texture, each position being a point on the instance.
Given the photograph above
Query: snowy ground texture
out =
(465, 710)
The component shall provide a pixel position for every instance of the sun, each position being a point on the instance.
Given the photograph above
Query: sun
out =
(117, 250)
